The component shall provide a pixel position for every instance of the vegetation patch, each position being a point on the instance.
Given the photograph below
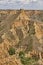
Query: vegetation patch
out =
(27, 60)
(11, 51)
(21, 54)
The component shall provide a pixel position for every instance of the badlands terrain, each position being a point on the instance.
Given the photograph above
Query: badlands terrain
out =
(21, 37)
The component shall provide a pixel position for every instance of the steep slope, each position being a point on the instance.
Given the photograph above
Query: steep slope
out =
(21, 31)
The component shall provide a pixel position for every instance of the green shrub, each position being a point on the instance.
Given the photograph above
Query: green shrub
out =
(21, 54)
(11, 51)
(27, 60)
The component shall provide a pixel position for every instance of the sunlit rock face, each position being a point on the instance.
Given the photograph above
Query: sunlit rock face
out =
(39, 31)
(20, 19)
